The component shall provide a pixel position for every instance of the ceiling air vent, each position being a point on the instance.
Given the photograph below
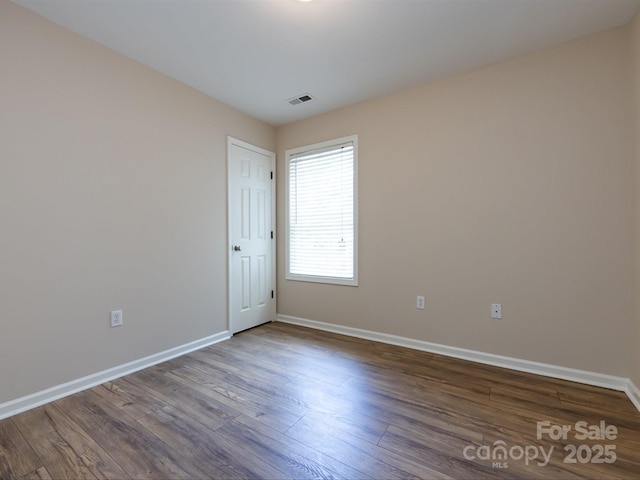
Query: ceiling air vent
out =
(300, 99)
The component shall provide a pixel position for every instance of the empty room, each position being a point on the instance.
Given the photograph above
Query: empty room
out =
(285, 239)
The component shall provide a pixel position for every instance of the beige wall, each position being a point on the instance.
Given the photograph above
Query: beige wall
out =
(112, 195)
(510, 184)
(635, 39)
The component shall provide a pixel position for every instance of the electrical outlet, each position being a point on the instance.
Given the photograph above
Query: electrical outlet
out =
(420, 302)
(496, 310)
(116, 318)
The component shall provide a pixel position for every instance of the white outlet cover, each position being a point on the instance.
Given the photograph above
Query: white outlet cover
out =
(496, 310)
(420, 302)
(116, 318)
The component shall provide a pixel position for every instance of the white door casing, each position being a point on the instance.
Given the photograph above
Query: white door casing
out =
(251, 223)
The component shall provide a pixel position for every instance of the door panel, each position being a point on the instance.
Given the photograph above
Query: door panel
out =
(252, 250)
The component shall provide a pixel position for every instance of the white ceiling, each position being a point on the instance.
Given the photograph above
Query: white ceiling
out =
(256, 54)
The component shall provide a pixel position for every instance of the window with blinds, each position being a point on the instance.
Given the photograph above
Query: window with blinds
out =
(322, 213)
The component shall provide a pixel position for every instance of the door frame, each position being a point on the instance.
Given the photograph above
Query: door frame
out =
(240, 143)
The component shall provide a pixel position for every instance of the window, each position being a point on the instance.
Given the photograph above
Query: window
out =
(322, 227)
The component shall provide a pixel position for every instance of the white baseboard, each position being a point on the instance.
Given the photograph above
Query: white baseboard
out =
(34, 400)
(48, 395)
(581, 376)
(633, 392)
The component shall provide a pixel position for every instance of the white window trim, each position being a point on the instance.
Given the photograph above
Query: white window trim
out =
(322, 279)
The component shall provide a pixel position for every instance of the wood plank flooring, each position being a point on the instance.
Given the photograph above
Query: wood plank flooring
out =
(286, 402)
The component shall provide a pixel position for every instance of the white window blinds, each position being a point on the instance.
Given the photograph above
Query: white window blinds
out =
(321, 201)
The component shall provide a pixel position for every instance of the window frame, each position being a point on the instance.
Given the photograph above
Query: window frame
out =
(288, 157)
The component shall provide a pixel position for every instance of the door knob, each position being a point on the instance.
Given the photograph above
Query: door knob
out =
(236, 248)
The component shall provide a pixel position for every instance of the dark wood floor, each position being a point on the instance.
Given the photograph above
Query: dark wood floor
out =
(280, 402)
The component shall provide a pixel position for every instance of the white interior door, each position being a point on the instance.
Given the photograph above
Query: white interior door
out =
(251, 235)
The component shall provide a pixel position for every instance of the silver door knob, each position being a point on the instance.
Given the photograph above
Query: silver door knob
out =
(236, 248)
